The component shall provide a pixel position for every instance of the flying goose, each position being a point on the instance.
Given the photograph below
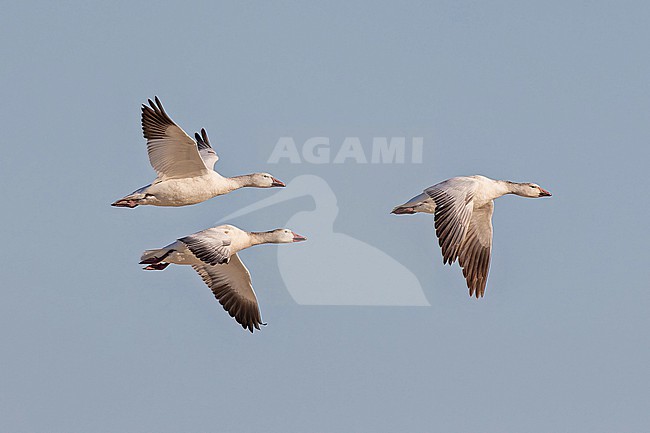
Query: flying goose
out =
(184, 166)
(462, 209)
(213, 254)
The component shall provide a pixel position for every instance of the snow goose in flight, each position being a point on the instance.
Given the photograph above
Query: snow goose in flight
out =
(184, 166)
(462, 209)
(213, 254)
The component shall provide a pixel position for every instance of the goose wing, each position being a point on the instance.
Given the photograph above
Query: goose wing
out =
(453, 212)
(208, 155)
(231, 285)
(476, 248)
(210, 246)
(172, 153)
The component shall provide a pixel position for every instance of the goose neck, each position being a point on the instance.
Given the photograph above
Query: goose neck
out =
(258, 238)
(241, 181)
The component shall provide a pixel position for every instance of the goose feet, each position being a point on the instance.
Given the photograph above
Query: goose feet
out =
(156, 266)
(125, 203)
(403, 210)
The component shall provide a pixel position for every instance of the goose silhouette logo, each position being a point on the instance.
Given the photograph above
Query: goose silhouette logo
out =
(336, 268)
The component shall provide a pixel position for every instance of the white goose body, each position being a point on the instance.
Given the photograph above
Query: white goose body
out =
(179, 253)
(184, 166)
(188, 191)
(462, 208)
(213, 254)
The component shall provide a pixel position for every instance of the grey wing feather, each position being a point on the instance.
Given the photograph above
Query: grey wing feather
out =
(206, 151)
(453, 211)
(231, 285)
(211, 248)
(476, 250)
(172, 153)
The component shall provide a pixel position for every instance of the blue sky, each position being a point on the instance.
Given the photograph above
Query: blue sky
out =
(555, 93)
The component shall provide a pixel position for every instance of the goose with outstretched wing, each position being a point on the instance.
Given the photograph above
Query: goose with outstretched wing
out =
(212, 253)
(184, 166)
(462, 209)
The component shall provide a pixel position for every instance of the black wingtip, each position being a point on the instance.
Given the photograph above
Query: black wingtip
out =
(155, 106)
(202, 140)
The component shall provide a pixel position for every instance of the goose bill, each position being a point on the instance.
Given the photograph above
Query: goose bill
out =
(277, 182)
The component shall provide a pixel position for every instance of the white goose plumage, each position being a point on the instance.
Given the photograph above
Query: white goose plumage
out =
(184, 166)
(462, 208)
(213, 254)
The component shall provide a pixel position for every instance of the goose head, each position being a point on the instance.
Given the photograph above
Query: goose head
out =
(283, 236)
(531, 190)
(264, 180)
